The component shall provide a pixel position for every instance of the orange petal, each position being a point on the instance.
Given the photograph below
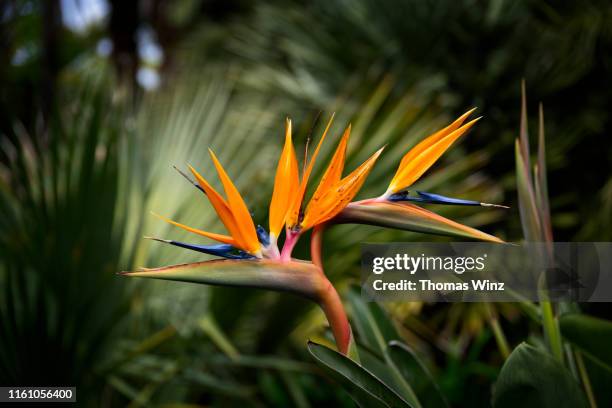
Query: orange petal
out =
(414, 168)
(294, 213)
(339, 195)
(217, 237)
(333, 174)
(286, 184)
(239, 210)
(430, 140)
(221, 207)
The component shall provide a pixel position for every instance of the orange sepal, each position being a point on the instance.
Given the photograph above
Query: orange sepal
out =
(217, 237)
(239, 210)
(221, 208)
(286, 185)
(339, 195)
(418, 163)
(294, 213)
(333, 173)
(430, 140)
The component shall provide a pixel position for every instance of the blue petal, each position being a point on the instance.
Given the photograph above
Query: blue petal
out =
(263, 235)
(223, 250)
(196, 185)
(430, 198)
(440, 199)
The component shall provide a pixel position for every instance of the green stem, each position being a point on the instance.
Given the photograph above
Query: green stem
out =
(500, 337)
(551, 330)
(568, 353)
(209, 325)
(586, 383)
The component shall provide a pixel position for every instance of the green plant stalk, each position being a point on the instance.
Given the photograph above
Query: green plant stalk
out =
(551, 330)
(399, 379)
(500, 337)
(584, 377)
(212, 329)
(148, 344)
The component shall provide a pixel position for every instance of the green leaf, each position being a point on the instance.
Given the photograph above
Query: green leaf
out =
(533, 378)
(377, 331)
(590, 334)
(374, 328)
(364, 387)
(540, 179)
(415, 373)
(408, 217)
(530, 220)
(302, 278)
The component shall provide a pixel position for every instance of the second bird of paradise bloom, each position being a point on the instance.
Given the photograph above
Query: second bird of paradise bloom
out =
(253, 257)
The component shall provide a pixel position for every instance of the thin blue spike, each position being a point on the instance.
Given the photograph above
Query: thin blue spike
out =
(263, 235)
(430, 198)
(400, 196)
(222, 250)
(196, 185)
(440, 199)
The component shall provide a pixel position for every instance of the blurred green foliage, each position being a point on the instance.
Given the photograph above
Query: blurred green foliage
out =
(86, 155)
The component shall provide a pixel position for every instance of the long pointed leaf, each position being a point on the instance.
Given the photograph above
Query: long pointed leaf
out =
(541, 183)
(524, 133)
(530, 220)
(377, 332)
(364, 387)
(415, 373)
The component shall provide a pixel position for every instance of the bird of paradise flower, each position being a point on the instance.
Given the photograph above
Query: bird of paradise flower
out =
(252, 254)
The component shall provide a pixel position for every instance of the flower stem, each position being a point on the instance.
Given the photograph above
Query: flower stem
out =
(331, 303)
(336, 316)
(316, 245)
(290, 241)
